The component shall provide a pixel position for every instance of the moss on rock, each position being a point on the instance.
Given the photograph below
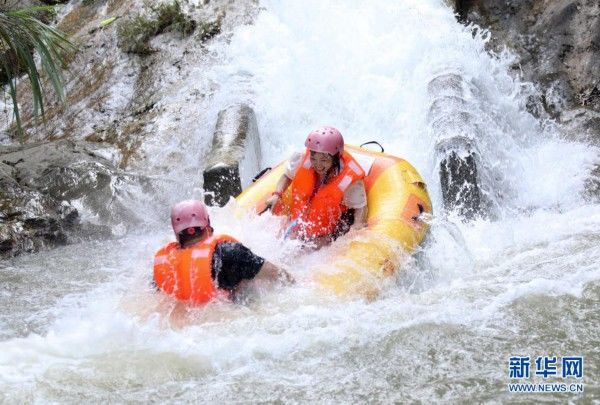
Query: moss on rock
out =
(135, 33)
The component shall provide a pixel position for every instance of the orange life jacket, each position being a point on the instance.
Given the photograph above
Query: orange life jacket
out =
(319, 212)
(186, 273)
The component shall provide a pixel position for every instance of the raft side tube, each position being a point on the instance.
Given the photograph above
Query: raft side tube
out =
(397, 198)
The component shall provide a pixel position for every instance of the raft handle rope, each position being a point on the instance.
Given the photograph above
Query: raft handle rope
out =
(373, 142)
(260, 174)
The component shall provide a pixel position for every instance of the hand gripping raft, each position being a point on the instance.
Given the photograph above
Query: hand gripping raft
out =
(397, 199)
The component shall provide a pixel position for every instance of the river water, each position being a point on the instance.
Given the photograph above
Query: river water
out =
(81, 322)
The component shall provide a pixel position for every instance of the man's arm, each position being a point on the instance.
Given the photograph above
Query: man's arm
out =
(271, 272)
(234, 263)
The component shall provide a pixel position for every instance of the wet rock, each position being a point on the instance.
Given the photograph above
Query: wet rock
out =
(234, 157)
(460, 189)
(558, 42)
(455, 133)
(30, 220)
(42, 184)
(123, 110)
(584, 123)
(592, 185)
(10, 5)
(63, 170)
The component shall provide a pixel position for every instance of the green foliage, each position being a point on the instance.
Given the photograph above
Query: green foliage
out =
(209, 29)
(107, 22)
(171, 16)
(22, 34)
(54, 2)
(135, 33)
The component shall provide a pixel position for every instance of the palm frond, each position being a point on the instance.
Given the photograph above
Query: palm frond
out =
(22, 34)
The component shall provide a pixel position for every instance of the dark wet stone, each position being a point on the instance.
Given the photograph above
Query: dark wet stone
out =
(220, 184)
(592, 185)
(39, 184)
(457, 133)
(235, 152)
(460, 189)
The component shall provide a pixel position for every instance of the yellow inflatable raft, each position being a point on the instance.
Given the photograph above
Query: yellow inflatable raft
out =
(397, 199)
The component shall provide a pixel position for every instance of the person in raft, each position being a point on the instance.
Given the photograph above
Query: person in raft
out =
(202, 265)
(328, 191)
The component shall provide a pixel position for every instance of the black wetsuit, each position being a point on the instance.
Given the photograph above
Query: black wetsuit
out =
(233, 262)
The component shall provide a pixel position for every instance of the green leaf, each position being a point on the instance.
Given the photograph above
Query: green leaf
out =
(21, 35)
(107, 22)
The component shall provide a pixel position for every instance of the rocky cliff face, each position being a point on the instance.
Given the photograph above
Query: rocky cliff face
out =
(558, 45)
(41, 185)
(134, 86)
(137, 84)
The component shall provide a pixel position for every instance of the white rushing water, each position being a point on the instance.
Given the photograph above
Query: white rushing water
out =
(82, 323)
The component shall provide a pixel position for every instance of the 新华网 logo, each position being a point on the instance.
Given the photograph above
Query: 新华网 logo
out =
(522, 367)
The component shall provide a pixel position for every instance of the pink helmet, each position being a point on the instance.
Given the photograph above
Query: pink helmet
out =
(189, 214)
(325, 139)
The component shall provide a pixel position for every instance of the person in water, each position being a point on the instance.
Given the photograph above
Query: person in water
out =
(328, 191)
(202, 265)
